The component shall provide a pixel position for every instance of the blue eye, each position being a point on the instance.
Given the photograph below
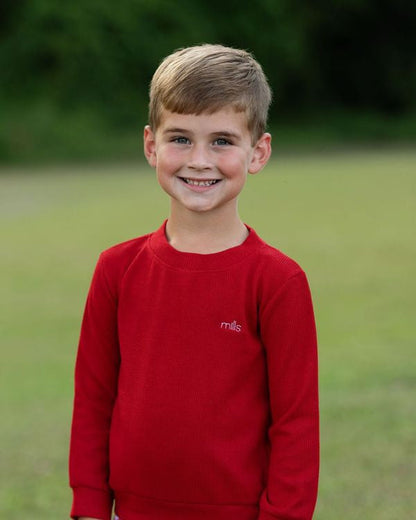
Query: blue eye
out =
(221, 141)
(181, 140)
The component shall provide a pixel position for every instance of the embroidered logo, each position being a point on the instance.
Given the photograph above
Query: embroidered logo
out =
(231, 326)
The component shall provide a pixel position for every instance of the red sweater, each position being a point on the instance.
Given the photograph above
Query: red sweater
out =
(196, 386)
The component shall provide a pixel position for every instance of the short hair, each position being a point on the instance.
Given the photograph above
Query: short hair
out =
(207, 78)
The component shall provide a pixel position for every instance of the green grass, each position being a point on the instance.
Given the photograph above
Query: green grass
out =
(348, 218)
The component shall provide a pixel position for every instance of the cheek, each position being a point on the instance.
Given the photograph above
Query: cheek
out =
(235, 166)
(168, 162)
(166, 169)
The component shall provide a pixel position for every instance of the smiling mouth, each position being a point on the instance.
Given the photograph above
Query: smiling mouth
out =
(194, 182)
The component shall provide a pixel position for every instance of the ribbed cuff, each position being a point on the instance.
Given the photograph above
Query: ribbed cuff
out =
(95, 503)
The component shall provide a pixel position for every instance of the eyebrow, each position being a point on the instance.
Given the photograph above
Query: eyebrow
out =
(175, 131)
(225, 133)
(222, 133)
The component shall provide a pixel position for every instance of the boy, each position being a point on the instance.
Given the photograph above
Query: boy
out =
(196, 376)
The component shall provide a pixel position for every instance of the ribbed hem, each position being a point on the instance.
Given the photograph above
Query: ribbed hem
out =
(133, 507)
(95, 503)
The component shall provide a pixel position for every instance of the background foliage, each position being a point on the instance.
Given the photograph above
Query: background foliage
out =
(73, 85)
(75, 74)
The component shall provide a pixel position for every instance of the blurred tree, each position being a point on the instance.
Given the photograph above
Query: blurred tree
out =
(365, 52)
(99, 56)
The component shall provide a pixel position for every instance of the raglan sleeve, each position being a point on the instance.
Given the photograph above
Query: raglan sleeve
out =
(289, 335)
(96, 374)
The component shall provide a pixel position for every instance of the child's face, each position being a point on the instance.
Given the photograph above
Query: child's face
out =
(202, 160)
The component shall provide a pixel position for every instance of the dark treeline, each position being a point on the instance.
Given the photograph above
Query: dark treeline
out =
(350, 55)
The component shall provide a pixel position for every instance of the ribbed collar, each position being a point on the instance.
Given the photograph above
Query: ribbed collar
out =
(160, 246)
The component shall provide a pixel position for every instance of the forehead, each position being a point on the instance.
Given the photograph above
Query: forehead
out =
(223, 120)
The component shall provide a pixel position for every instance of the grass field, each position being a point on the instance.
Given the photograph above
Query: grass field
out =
(348, 218)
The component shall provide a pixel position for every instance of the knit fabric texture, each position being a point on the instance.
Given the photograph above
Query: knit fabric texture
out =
(196, 393)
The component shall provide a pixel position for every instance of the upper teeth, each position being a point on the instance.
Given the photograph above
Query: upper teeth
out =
(200, 183)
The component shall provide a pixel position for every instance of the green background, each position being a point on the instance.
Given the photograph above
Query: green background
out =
(75, 75)
(348, 218)
(339, 196)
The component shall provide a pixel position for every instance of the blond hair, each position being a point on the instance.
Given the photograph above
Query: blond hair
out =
(207, 78)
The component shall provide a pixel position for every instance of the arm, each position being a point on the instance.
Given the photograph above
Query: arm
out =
(288, 333)
(96, 375)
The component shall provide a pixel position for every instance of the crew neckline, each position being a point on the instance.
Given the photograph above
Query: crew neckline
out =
(165, 252)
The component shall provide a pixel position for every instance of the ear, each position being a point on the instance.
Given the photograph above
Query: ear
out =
(149, 146)
(261, 153)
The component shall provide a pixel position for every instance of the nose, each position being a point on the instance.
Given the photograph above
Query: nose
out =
(199, 158)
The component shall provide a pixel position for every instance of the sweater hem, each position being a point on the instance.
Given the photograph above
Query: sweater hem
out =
(96, 503)
(129, 506)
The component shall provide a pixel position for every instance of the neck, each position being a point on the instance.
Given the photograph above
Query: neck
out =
(204, 234)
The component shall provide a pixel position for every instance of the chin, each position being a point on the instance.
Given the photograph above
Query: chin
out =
(198, 209)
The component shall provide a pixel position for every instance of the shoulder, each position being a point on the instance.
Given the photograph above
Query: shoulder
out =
(276, 276)
(124, 252)
(278, 260)
(274, 263)
(282, 287)
(113, 262)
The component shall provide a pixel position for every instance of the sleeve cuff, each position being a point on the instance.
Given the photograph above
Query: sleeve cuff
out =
(95, 503)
